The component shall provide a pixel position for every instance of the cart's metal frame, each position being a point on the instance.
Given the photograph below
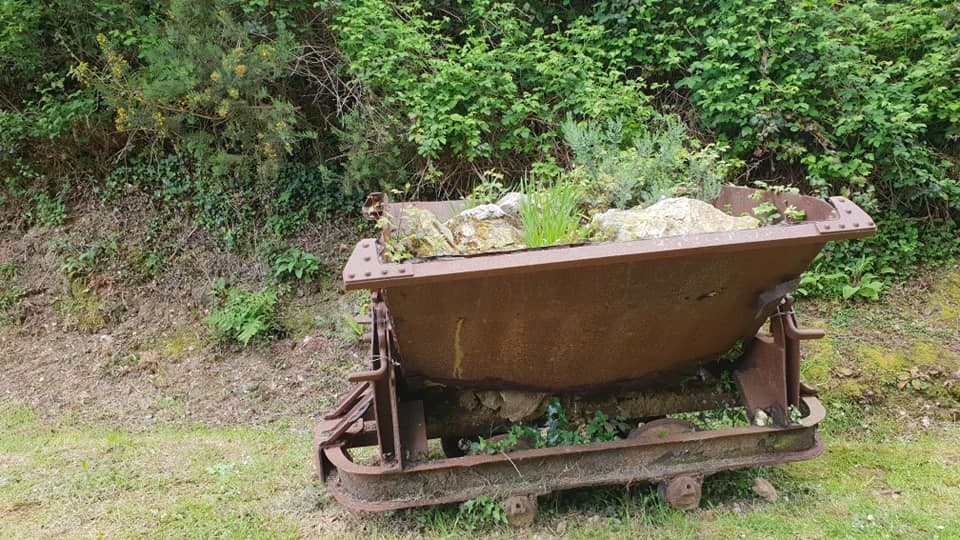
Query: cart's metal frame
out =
(382, 411)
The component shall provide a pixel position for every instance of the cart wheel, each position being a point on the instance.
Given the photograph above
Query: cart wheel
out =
(682, 492)
(521, 510)
(658, 429)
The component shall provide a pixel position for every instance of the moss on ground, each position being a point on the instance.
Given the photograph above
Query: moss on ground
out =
(880, 359)
(180, 342)
(946, 296)
(81, 308)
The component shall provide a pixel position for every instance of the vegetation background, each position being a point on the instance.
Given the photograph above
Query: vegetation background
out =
(181, 183)
(249, 118)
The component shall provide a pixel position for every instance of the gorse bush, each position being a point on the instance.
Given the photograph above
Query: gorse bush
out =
(200, 75)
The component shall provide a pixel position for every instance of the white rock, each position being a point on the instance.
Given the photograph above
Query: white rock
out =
(484, 228)
(510, 203)
(484, 211)
(669, 217)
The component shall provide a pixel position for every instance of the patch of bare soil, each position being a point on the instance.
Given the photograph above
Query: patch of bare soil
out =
(128, 347)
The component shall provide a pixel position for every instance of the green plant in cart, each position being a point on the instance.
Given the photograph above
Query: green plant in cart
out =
(549, 216)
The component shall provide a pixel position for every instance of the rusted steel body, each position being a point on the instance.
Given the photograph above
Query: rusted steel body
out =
(591, 320)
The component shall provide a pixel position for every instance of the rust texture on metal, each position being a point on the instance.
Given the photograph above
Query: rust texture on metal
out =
(464, 346)
(544, 470)
(768, 377)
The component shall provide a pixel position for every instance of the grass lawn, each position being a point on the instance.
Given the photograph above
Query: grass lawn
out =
(71, 480)
(889, 375)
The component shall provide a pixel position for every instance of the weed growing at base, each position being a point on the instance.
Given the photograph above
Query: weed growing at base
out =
(557, 430)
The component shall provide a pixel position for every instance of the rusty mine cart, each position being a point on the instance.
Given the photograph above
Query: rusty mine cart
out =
(620, 327)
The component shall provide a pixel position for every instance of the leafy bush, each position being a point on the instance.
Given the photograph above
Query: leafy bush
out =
(655, 164)
(481, 513)
(846, 98)
(486, 84)
(90, 260)
(245, 314)
(295, 263)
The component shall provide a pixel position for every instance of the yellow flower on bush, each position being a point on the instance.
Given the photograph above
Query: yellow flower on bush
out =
(269, 151)
(101, 39)
(158, 119)
(122, 120)
(241, 69)
(215, 76)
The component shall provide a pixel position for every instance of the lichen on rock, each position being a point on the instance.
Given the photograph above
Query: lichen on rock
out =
(669, 217)
(421, 233)
(483, 229)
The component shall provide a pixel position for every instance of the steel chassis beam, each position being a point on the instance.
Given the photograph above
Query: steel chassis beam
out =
(540, 471)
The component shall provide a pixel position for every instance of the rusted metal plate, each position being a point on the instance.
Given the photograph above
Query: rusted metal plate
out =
(586, 328)
(543, 470)
(413, 430)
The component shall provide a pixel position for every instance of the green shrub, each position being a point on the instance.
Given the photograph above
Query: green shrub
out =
(481, 513)
(655, 164)
(245, 314)
(859, 100)
(295, 263)
(201, 77)
(90, 260)
(485, 84)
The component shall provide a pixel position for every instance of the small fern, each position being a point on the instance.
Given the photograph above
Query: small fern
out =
(246, 315)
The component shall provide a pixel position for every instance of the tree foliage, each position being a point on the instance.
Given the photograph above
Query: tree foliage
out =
(426, 97)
